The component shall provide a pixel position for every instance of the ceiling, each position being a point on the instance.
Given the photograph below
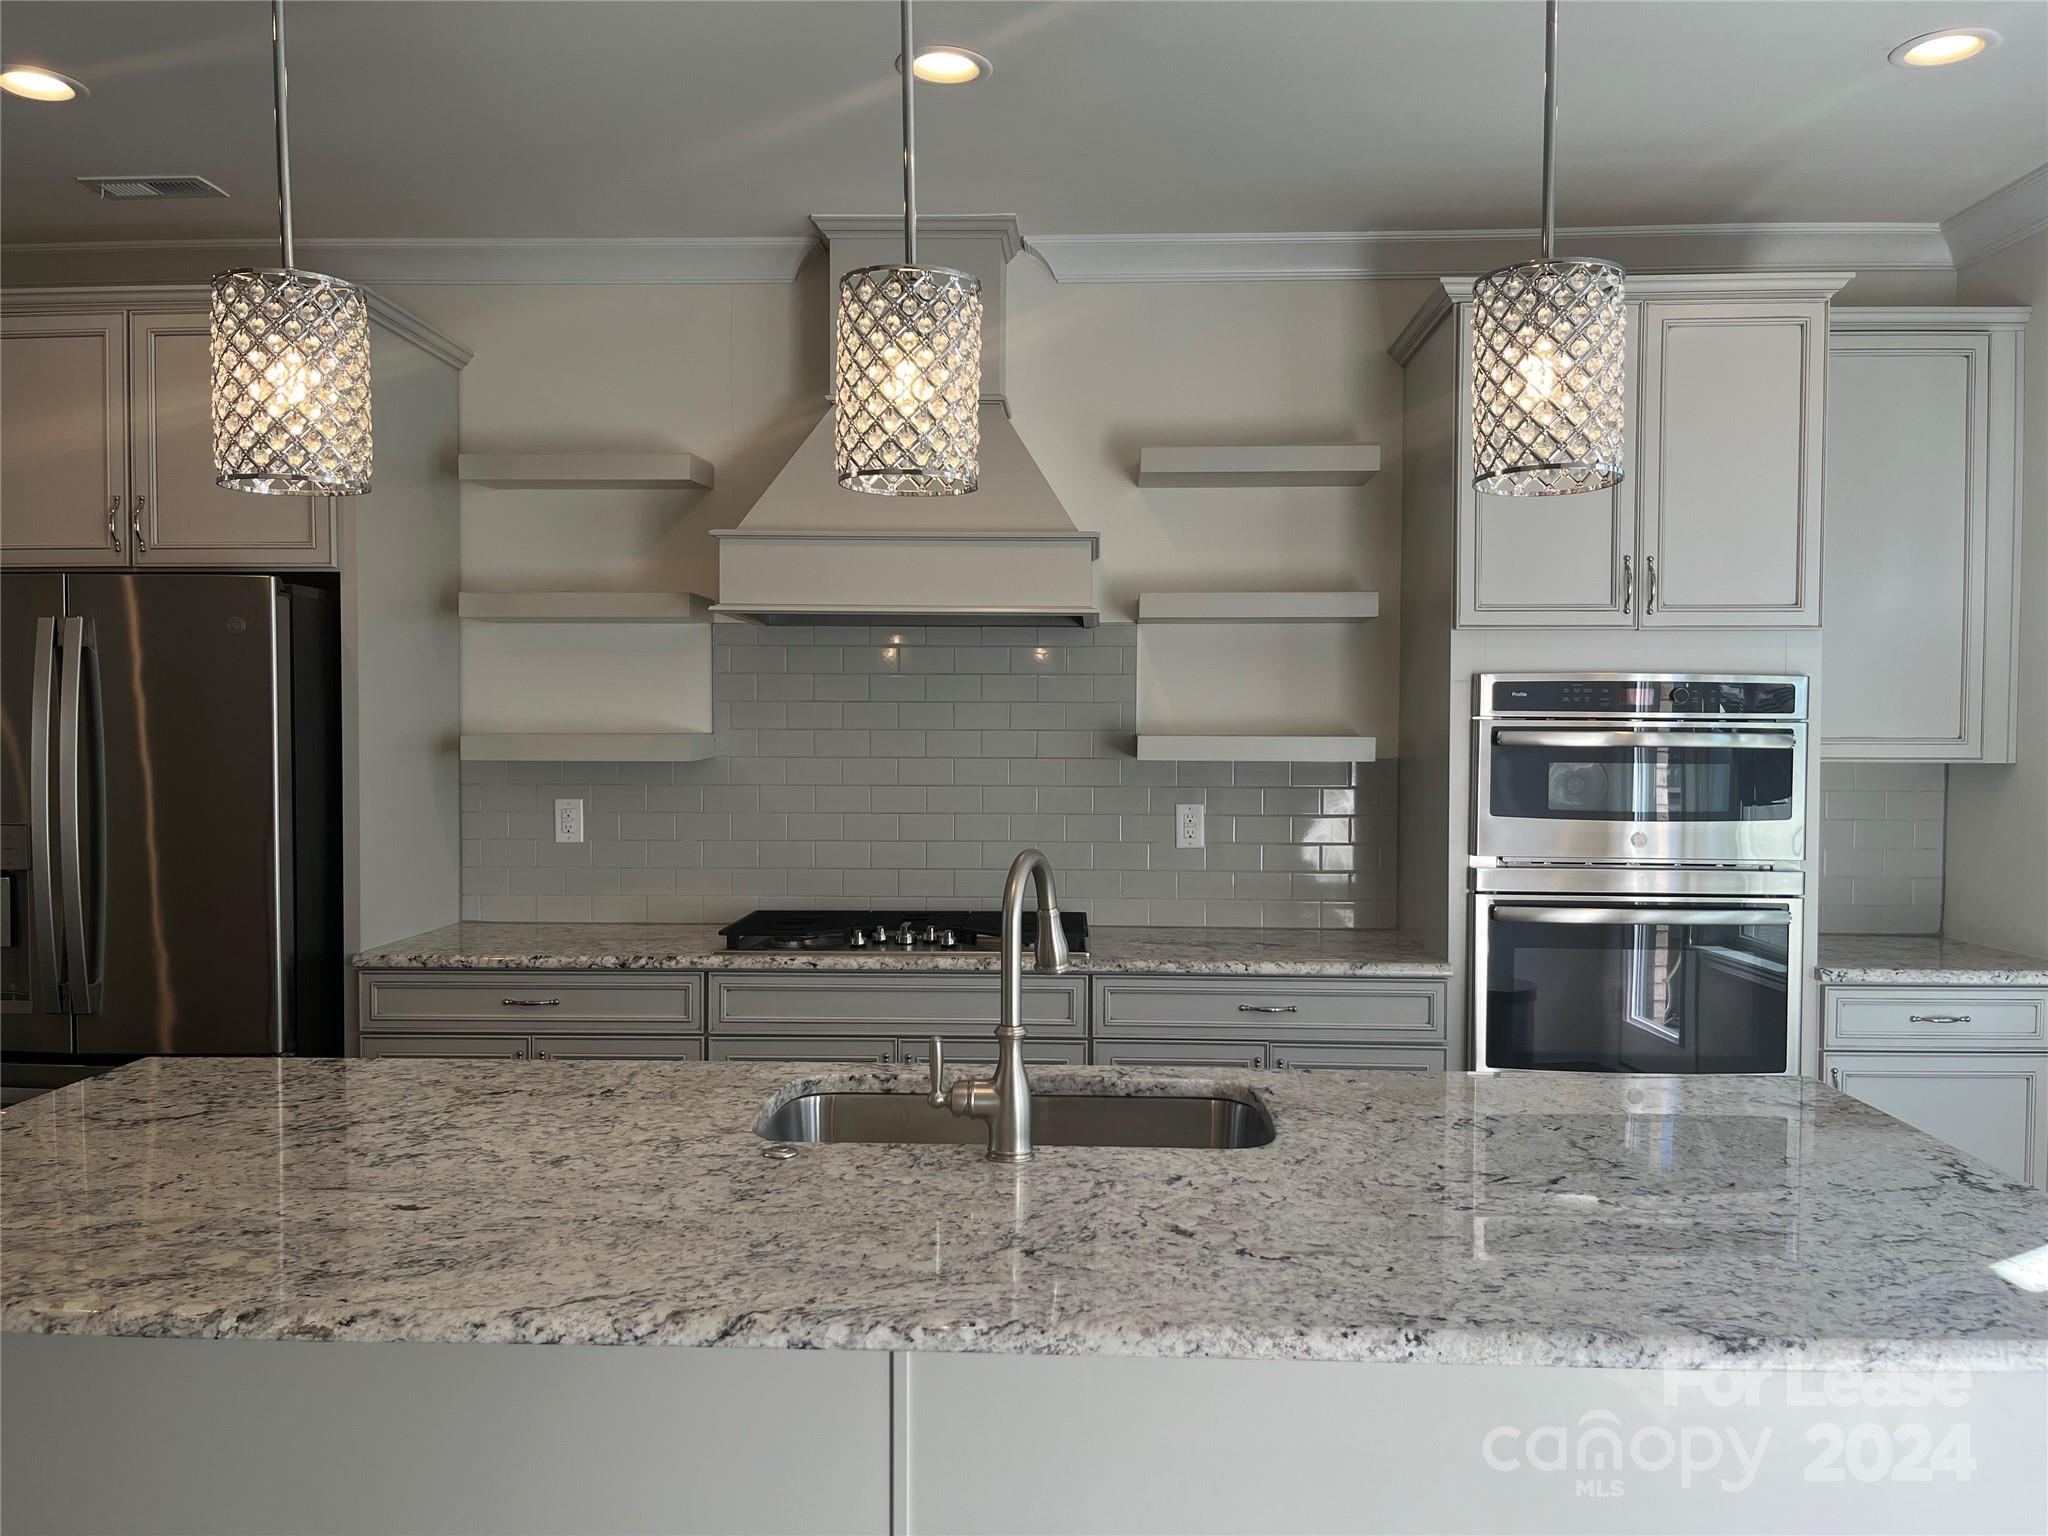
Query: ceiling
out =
(439, 119)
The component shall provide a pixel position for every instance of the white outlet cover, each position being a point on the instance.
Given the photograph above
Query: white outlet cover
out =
(568, 821)
(1189, 826)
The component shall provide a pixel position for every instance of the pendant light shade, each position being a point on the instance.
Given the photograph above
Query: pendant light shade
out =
(1549, 355)
(907, 360)
(908, 369)
(291, 361)
(291, 383)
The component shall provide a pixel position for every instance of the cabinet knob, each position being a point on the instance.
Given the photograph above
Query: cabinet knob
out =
(543, 1055)
(1835, 1078)
(1256, 1061)
(1279, 1061)
(520, 1054)
(114, 522)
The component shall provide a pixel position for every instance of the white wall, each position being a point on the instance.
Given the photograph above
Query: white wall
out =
(1998, 815)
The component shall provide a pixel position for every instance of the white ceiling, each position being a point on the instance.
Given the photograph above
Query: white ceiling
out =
(584, 118)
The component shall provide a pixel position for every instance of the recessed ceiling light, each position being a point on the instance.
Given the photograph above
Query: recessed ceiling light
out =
(1948, 47)
(946, 64)
(39, 84)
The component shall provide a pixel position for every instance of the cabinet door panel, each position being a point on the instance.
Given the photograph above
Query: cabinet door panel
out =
(186, 519)
(802, 1048)
(1179, 1053)
(1988, 1106)
(616, 1048)
(446, 1047)
(64, 474)
(1544, 560)
(1731, 401)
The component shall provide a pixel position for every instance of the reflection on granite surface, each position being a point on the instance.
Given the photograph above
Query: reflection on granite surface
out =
(1526, 1218)
(1324, 952)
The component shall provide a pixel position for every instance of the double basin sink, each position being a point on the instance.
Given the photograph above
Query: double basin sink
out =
(1206, 1122)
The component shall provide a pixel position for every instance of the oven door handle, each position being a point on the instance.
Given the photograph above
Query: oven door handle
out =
(1769, 741)
(1677, 917)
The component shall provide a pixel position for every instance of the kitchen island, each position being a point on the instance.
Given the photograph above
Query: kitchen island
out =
(344, 1261)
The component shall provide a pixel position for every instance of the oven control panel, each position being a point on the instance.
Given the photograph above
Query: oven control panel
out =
(1605, 694)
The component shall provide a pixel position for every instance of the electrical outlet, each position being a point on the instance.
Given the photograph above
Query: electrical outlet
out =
(1188, 828)
(568, 821)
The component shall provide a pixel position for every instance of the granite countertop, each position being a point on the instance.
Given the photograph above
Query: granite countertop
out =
(1529, 1218)
(1325, 952)
(1876, 960)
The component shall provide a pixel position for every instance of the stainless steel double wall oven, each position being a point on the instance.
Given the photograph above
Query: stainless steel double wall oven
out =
(1636, 882)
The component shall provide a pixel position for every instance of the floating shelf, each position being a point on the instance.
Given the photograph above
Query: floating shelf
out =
(1256, 749)
(588, 471)
(1225, 468)
(1257, 607)
(588, 747)
(586, 607)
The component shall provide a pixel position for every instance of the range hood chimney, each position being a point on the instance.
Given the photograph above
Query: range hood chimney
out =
(812, 551)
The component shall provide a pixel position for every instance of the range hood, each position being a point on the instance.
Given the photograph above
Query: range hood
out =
(810, 551)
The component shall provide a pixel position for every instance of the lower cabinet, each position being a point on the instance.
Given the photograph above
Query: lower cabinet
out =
(1990, 1105)
(870, 1049)
(535, 1047)
(1268, 1053)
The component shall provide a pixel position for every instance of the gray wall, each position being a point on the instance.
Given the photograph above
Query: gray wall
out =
(1881, 847)
(873, 767)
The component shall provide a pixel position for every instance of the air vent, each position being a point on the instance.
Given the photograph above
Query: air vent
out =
(151, 186)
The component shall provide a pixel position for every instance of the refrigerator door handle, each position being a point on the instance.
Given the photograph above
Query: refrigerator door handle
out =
(50, 987)
(88, 964)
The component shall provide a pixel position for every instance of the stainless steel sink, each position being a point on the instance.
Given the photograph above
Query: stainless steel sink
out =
(1057, 1120)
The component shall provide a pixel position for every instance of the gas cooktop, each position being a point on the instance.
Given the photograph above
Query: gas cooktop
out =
(903, 932)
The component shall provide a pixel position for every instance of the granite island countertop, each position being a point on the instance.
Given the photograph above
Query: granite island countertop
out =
(1308, 952)
(1527, 1218)
(1880, 960)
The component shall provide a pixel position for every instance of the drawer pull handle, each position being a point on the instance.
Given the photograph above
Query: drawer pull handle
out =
(1937, 1018)
(531, 1002)
(1267, 1008)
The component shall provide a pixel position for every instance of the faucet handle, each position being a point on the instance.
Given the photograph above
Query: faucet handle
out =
(937, 1096)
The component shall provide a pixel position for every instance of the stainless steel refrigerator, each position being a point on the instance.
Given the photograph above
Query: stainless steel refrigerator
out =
(170, 827)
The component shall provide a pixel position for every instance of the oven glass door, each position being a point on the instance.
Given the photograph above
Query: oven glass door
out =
(1609, 987)
(1571, 792)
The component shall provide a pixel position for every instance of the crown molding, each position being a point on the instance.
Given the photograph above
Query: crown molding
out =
(937, 226)
(2006, 217)
(161, 298)
(1937, 317)
(1681, 287)
(1428, 253)
(773, 259)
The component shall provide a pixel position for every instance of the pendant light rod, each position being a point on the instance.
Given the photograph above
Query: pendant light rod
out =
(1549, 126)
(909, 143)
(284, 147)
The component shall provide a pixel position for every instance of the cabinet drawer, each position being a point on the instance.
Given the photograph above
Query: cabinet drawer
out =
(840, 1048)
(1179, 1053)
(1357, 1058)
(527, 998)
(895, 1005)
(1364, 1010)
(1980, 1019)
(447, 1047)
(617, 1048)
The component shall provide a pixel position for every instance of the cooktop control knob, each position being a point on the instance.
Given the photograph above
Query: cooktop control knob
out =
(949, 939)
(858, 938)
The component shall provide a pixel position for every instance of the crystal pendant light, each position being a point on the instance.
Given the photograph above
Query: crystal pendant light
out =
(1549, 338)
(291, 361)
(907, 364)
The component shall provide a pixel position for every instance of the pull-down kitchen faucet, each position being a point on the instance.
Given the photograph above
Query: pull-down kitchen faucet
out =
(1004, 1100)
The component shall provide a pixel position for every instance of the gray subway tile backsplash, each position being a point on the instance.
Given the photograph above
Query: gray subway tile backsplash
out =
(1880, 829)
(866, 765)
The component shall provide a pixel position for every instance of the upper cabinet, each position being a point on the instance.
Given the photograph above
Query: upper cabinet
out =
(1923, 465)
(107, 420)
(180, 516)
(64, 476)
(1717, 522)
